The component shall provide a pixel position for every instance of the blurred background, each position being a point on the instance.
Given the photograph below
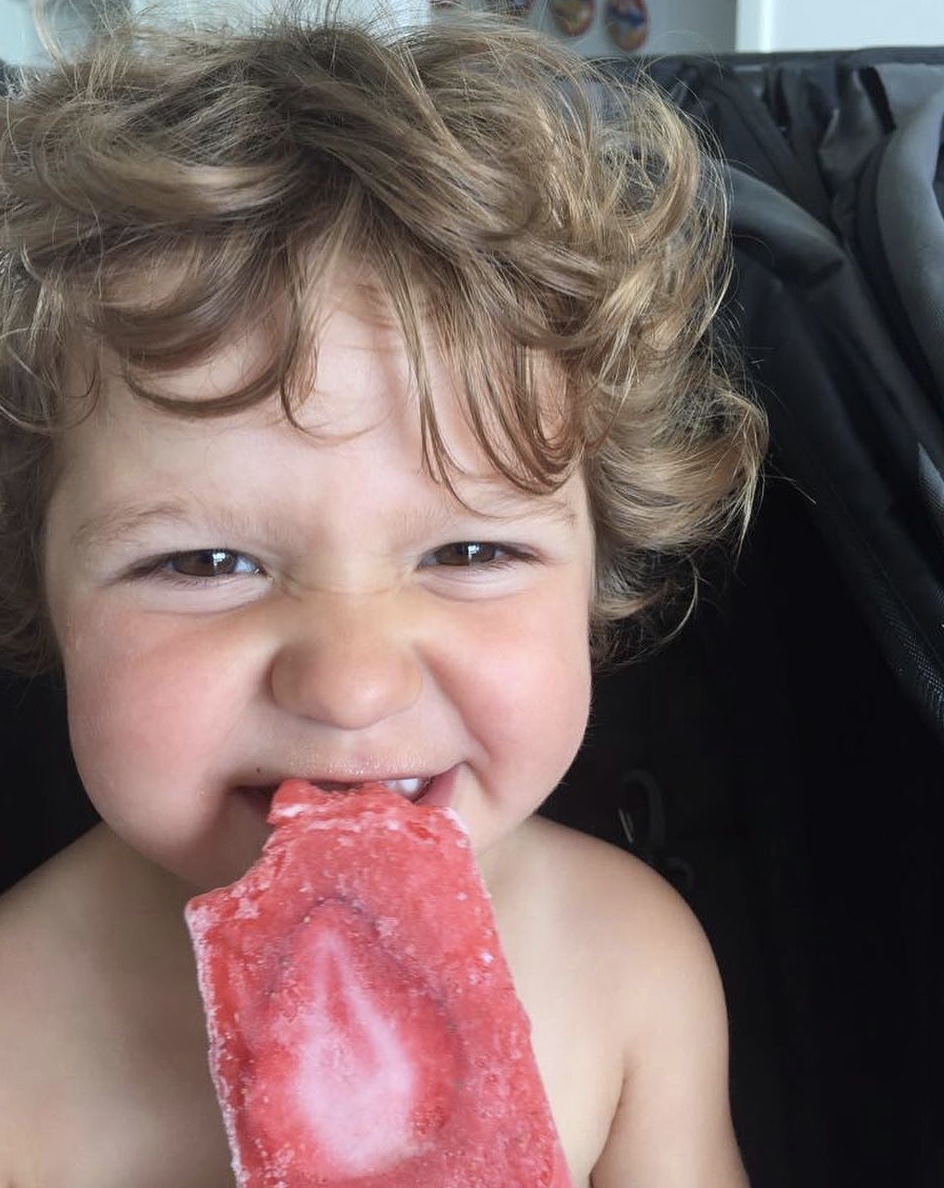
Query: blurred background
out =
(601, 27)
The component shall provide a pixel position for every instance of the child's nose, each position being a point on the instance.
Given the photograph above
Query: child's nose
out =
(347, 662)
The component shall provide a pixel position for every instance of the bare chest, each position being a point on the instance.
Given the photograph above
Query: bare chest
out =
(125, 1098)
(118, 1098)
(155, 1123)
(580, 1065)
(113, 1089)
(115, 1142)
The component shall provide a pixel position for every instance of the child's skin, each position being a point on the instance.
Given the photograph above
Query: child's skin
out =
(236, 602)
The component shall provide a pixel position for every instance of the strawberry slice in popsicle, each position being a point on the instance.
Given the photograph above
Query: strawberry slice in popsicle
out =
(364, 1029)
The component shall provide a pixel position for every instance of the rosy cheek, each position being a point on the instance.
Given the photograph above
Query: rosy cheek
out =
(533, 685)
(137, 704)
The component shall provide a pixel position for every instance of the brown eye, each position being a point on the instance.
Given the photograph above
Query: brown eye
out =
(210, 563)
(467, 553)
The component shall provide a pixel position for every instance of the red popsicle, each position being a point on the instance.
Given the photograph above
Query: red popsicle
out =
(364, 1029)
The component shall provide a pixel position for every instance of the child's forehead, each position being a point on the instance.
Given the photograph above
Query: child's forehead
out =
(357, 359)
(347, 315)
(156, 459)
(348, 321)
(354, 373)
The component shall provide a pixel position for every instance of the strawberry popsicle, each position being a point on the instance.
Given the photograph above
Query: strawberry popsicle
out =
(364, 1029)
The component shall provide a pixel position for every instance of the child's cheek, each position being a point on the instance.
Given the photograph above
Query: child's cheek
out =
(141, 704)
(529, 696)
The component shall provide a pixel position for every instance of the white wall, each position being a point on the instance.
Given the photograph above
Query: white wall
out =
(675, 25)
(837, 24)
(18, 40)
(396, 11)
(19, 43)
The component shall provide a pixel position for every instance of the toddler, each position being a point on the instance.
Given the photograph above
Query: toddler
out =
(351, 386)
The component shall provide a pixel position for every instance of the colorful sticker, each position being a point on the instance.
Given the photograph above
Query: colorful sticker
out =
(627, 22)
(572, 17)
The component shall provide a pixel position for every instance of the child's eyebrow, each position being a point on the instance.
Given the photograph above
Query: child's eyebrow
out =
(124, 524)
(515, 505)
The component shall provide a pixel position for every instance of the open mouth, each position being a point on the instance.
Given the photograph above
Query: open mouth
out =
(414, 788)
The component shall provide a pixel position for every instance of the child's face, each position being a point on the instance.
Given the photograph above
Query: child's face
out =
(237, 602)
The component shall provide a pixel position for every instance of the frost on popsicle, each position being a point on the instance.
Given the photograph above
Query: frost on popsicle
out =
(363, 1025)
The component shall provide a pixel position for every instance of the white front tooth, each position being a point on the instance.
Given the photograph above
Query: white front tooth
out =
(408, 787)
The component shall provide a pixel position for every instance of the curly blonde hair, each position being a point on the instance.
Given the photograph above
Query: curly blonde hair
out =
(165, 188)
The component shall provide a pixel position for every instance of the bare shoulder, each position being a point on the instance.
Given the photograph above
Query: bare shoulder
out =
(642, 937)
(40, 956)
(51, 967)
(647, 972)
(101, 1033)
(64, 927)
(43, 945)
(598, 891)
